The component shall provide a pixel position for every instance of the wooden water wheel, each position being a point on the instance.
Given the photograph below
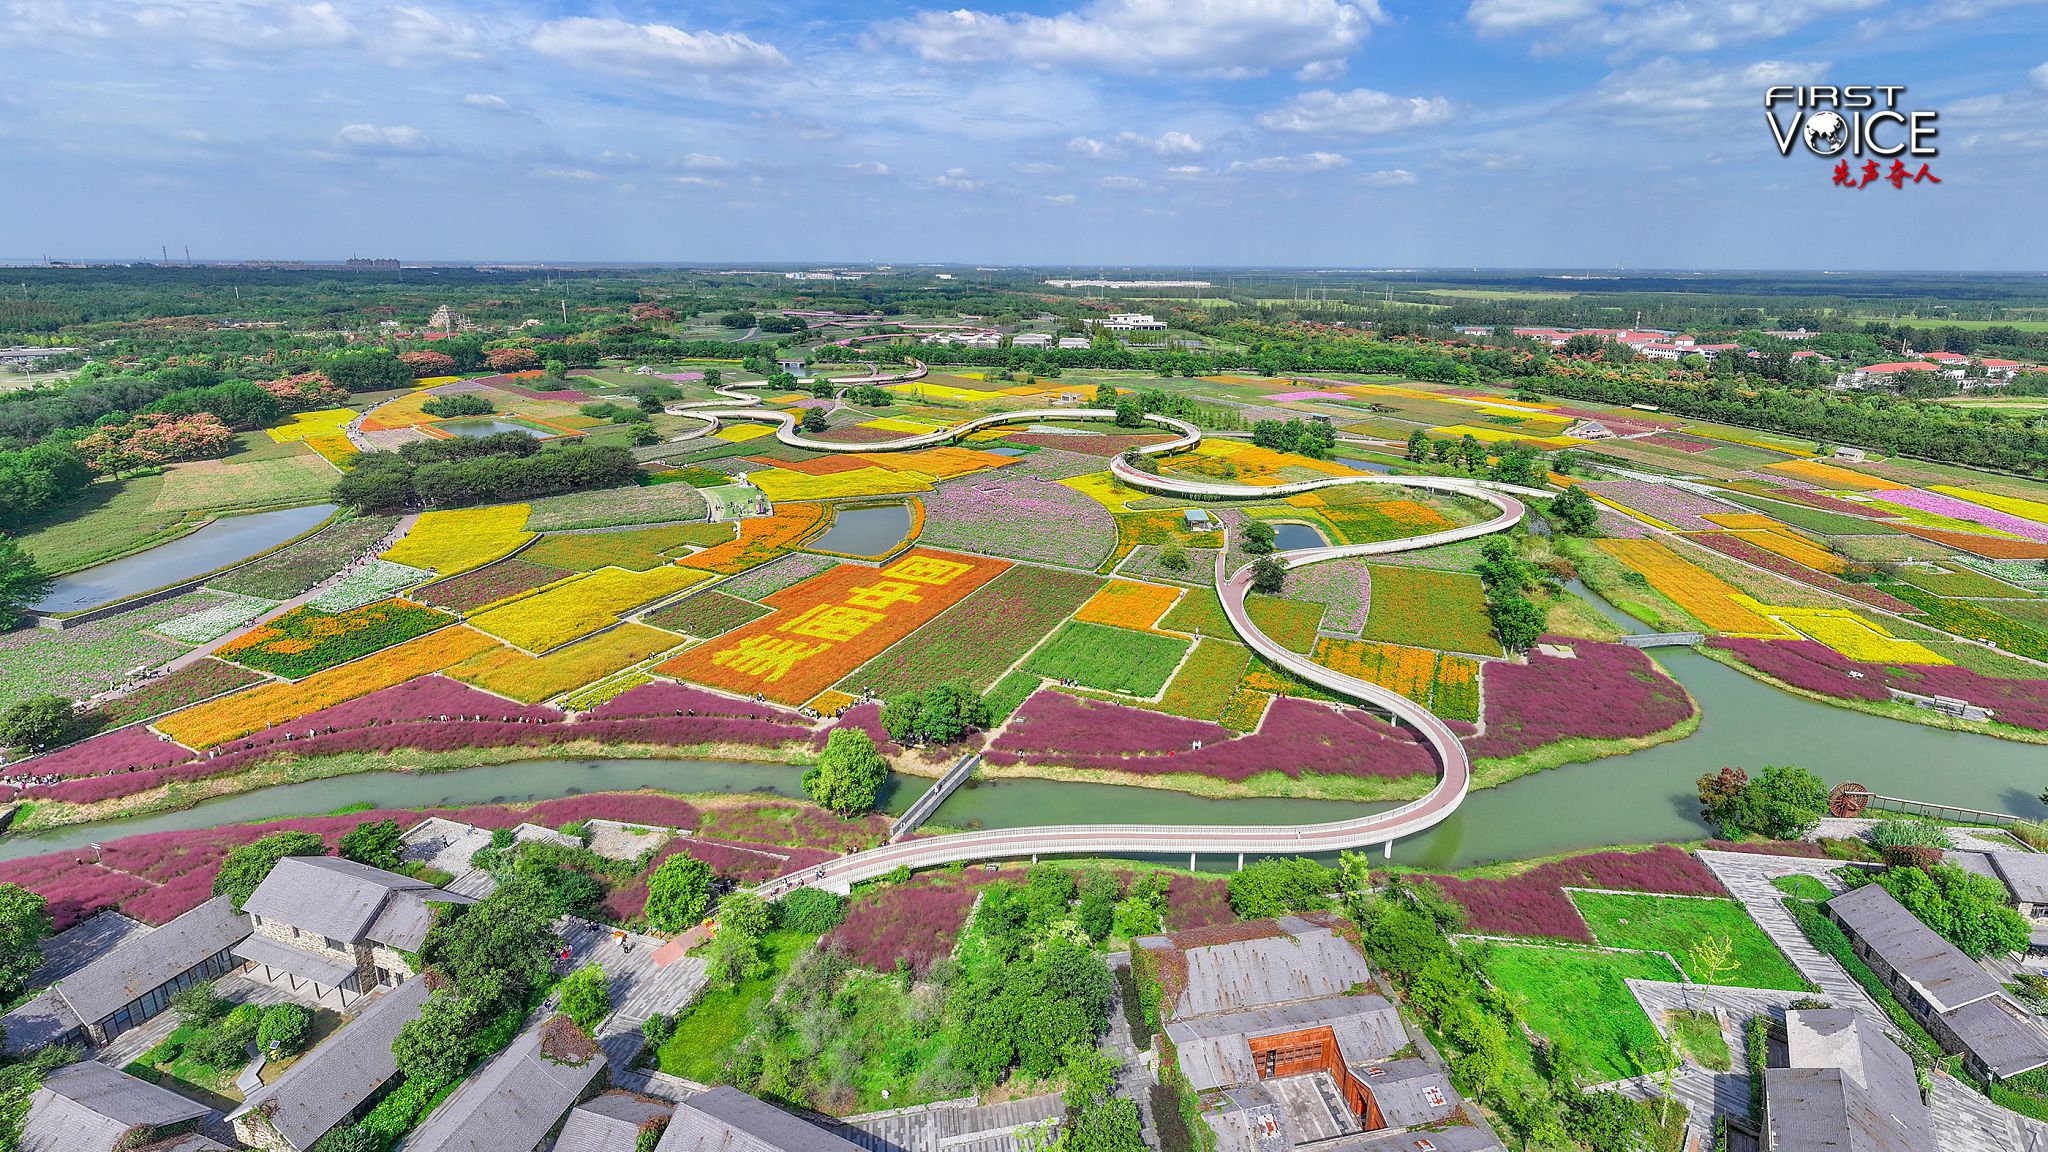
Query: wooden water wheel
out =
(1848, 799)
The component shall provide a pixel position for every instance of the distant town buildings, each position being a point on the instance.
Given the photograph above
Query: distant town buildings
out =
(1128, 322)
(448, 321)
(1129, 284)
(25, 358)
(369, 264)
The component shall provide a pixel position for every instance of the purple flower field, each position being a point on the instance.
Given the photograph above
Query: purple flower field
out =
(1534, 903)
(1964, 510)
(1021, 518)
(1296, 736)
(666, 699)
(1814, 667)
(135, 747)
(1608, 692)
(916, 921)
(1675, 507)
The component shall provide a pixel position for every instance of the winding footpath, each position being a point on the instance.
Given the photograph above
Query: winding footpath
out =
(1380, 828)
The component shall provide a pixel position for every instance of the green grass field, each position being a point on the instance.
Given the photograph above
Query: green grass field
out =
(113, 518)
(1109, 659)
(1429, 609)
(1801, 886)
(1674, 924)
(706, 1034)
(1291, 622)
(1577, 995)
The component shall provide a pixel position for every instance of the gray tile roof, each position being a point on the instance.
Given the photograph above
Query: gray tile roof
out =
(1848, 1087)
(1312, 962)
(609, 1123)
(729, 1120)
(38, 1024)
(1403, 1090)
(188, 1142)
(2025, 874)
(322, 970)
(328, 1083)
(82, 943)
(326, 895)
(508, 1105)
(1936, 968)
(144, 962)
(2000, 1036)
(88, 1107)
(1215, 1053)
(407, 915)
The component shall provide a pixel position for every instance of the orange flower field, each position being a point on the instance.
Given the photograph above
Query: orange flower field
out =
(1128, 604)
(760, 540)
(831, 624)
(1698, 591)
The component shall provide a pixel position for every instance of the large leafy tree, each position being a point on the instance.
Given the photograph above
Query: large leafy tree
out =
(497, 949)
(246, 866)
(849, 773)
(678, 893)
(377, 843)
(22, 582)
(39, 723)
(24, 921)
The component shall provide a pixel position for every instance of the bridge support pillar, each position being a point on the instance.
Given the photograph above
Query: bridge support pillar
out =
(1390, 849)
(1034, 857)
(1240, 861)
(1191, 861)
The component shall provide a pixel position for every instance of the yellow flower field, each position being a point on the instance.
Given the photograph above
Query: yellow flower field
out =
(308, 425)
(459, 539)
(1741, 520)
(1492, 434)
(253, 709)
(1129, 604)
(1708, 597)
(934, 391)
(2033, 510)
(784, 484)
(1448, 684)
(1103, 488)
(434, 381)
(1793, 547)
(897, 424)
(741, 433)
(576, 607)
(936, 463)
(1829, 476)
(1850, 634)
(336, 448)
(760, 539)
(531, 679)
(1747, 441)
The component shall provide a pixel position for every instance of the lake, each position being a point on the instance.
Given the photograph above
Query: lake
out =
(226, 541)
(475, 426)
(865, 531)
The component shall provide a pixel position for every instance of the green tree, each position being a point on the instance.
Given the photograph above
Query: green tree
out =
(823, 388)
(1277, 885)
(1174, 557)
(18, 1086)
(39, 723)
(555, 369)
(940, 714)
(714, 377)
(1259, 537)
(643, 433)
(1096, 913)
(1967, 910)
(1418, 445)
(586, 996)
(22, 582)
(378, 843)
(1517, 621)
(497, 949)
(1471, 453)
(1574, 513)
(678, 893)
(814, 420)
(849, 773)
(435, 1047)
(1105, 395)
(1128, 412)
(1269, 575)
(1788, 803)
(245, 867)
(24, 921)
(284, 1029)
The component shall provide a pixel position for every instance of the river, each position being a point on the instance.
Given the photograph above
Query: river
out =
(1644, 797)
(214, 546)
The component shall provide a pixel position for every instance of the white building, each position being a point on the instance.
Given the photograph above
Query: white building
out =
(1130, 322)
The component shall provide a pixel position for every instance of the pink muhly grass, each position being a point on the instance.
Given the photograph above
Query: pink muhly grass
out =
(917, 920)
(1814, 667)
(1534, 903)
(665, 699)
(122, 750)
(1607, 692)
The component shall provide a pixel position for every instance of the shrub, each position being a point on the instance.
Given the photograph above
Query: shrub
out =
(458, 404)
(1273, 886)
(813, 911)
(657, 1029)
(849, 774)
(586, 996)
(678, 893)
(375, 843)
(1909, 833)
(284, 1029)
(199, 1004)
(246, 866)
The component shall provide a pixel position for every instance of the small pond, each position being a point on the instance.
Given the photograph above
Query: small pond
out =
(865, 531)
(475, 426)
(215, 546)
(1366, 465)
(1288, 537)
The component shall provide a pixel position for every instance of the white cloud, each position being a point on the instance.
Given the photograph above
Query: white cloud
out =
(697, 181)
(1062, 198)
(1480, 158)
(1677, 93)
(1126, 143)
(651, 49)
(487, 102)
(1359, 112)
(1124, 184)
(869, 168)
(415, 35)
(957, 180)
(1389, 178)
(1303, 164)
(565, 175)
(1035, 168)
(1186, 171)
(1633, 27)
(706, 163)
(1212, 37)
(383, 138)
(2040, 76)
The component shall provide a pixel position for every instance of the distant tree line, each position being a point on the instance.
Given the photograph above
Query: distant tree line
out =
(505, 466)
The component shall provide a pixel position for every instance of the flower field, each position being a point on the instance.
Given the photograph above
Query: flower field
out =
(1291, 622)
(1661, 503)
(305, 640)
(1855, 637)
(311, 425)
(1127, 604)
(199, 680)
(1989, 547)
(831, 624)
(252, 709)
(1605, 692)
(1829, 476)
(1973, 510)
(212, 623)
(1198, 612)
(708, 613)
(2033, 511)
(128, 748)
(761, 539)
(615, 507)
(462, 538)
(580, 605)
(1370, 522)
(1019, 516)
(1534, 902)
(295, 568)
(1109, 659)
(1207, 680)
(777, 574)
(784, 484)
(489, 584)
(1706, 596)
(1429, 609)
(368, 584)
(1729, 544)
(979, 638)
(1816, 668)
(918, 921)
(1793, 547)
(531, 679)
(662, 698)
(1447, 685)
(2026, 574)
(1975, 622)
(635, 548)
(1343, 587)
(1297, 737)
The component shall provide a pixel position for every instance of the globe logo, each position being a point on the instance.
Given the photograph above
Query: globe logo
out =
(1827, 133)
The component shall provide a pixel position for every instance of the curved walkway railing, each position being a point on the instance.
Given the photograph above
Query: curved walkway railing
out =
(1172, 839)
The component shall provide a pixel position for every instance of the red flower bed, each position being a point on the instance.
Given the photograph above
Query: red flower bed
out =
(1606, 692)
(1296, 735)
(489, 584)
(1791, 569)
(1806, 848)
(122, 750)
(1680, 443)
(1815, 667)
(1197, 903)
(917, 920)
(73, 888)
(1534, 903)
(867, 718)
(799, 825)
(665, 699)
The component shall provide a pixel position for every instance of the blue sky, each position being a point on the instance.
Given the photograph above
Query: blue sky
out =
(1321, 133)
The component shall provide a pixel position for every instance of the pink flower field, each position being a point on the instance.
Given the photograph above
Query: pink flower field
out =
(1815, 667)
(1534, 903)
(1607, 692)
(918, 921)
(1052, 728)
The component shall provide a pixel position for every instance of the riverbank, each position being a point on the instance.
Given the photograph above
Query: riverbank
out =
(1492, 773)
(1309, 785)
(1889, 709)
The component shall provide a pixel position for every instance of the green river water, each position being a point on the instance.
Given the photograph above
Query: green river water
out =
(1643, 797)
